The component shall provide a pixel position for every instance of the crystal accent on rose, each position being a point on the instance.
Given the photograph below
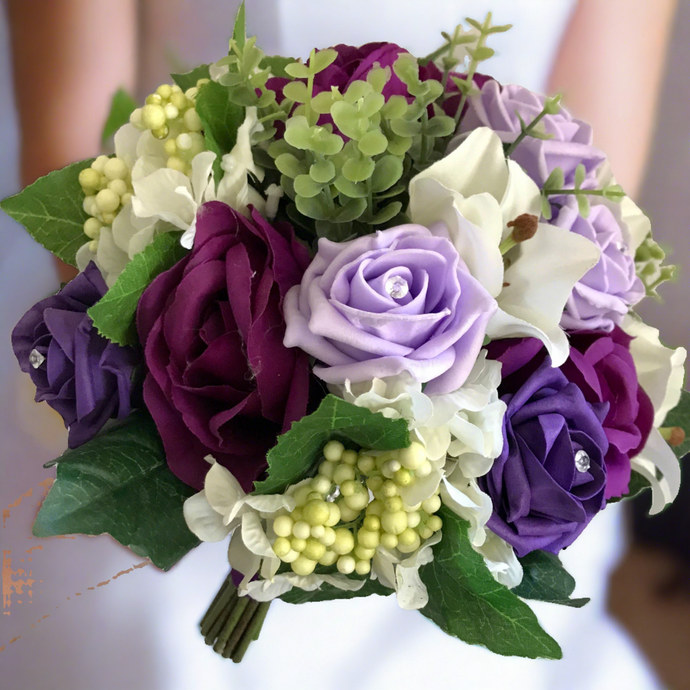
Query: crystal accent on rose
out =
(582, 461)
(36, 359)
(397, 287)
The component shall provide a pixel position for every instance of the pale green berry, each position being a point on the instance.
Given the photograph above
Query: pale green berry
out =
(303, 566)
(298, 544)
(349, 457)
(296, 514)
(317, 531)
(316, 512)
(357, 501)
(184, 142)
(107, 201)
(375, 508)
(115, 169)
(333, 451)
(408, 541)
(179, 100)
(281, 547)
(164, 91)
(328, 536)
(372, 523)
(301, 494)
(424, 532)
(291, 556)
(314, 549)
(176, 163)
(153, 116)
(375, 483)
(412, 457)
(171, 112)
(93, 246)
(432, 504)
(393, 504)
(403, 477)
(126, 198)
(389, 541)
(282, 525)
(321, 484)
(347, 514)
(413, 519)
(301, 529)
(161, 132)
(92, 228)
(389, 489)
(201, 82)
(153, 99)
(366, 464)
(424, 470)
(89, 178)
(390, 468)
(99, 164)
(343, 473)
(434, 523)
(394, 522)
(118, 186)
(344, 541)
(369, 540)
(327, 469)
(334, 518)
(349, 487)
(191, 93)
(170, 147)
(328, 558)
(108, 218)
(135, 118)
(363, 567)
(346, 565)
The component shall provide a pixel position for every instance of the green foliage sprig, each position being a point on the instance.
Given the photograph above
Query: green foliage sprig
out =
(649, 259)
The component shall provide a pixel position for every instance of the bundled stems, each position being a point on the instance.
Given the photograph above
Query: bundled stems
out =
(232, 622)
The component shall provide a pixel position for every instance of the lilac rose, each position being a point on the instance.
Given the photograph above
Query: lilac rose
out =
(498, 107)
(605, 294)
(83, 376)
(550, 479)
(400, 300)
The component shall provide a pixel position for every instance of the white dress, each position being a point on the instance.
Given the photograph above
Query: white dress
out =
(140, 631)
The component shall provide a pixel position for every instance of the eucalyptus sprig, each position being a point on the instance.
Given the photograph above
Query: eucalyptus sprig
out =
(552, 106)
(554, 187)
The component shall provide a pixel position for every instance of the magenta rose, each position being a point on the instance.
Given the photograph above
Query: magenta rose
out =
(399, 300)
(220, 382)
(601, 366)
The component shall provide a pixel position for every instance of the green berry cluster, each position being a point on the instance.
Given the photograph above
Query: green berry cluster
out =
(649, 258)
(352, 507)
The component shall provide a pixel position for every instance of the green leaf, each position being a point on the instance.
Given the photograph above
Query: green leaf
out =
(189, 79)
(277, 64)
(114, 314)
(354, 190)
(298, 70)
(388, 171)
(637, 485)
(239, 31)
(221, 118)
(307, 187)
(51, 209)
(322, 59)
(300, 448)
(680, 416)
(386, 213)
(352, 210)
(121, 108)
(545, 579)
(119, 483)
(328, 592)
(465, 601)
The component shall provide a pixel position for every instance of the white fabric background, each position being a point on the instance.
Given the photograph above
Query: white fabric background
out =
(140, 631)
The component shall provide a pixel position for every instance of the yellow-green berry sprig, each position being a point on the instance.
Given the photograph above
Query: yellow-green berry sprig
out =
(352, 507)
(107, 187)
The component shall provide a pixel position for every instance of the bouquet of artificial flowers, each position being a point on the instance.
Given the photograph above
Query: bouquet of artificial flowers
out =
(369, 317)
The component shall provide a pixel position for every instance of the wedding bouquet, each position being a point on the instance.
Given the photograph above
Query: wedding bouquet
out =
(368, 316)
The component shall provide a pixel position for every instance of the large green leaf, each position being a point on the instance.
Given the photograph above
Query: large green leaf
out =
(121, 108)
(545, 579)
(465, 601)
(221, 119)
(51, 209)
(300, 448)
(189, 79)
(114, 314)
(119, 483)
(327, 592)
(680, 416)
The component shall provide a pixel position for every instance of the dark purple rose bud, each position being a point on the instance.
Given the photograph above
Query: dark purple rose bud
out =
(550, 479)
(79, 373)
(220, 382)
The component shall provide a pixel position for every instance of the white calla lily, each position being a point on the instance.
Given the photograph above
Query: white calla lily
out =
(470, 196)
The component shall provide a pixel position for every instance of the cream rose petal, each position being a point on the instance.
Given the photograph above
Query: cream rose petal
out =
(205, 522)
(223, 492)
(165, 194)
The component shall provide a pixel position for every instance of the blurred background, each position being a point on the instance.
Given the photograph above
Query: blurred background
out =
(85, 614)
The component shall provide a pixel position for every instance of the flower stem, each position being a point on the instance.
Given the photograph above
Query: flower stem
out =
(232, 622)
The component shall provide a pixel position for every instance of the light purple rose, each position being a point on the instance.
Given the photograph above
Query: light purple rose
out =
(401, 300)
(498, 107)
(604, 295)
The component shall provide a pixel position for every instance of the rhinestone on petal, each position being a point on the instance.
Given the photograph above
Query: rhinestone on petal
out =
(397, 287)
(36, 359)
(582, 461)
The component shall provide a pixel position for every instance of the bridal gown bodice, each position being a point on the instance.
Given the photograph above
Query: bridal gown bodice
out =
(140, 632)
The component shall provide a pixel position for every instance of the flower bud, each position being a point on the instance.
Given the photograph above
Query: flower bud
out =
(333, 451)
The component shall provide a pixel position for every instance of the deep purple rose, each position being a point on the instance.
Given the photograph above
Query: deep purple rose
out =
(79, 373)
(601, 366)
(549, 481)
(400, 300)
(220, 382)
(604, 295)
(498, 107)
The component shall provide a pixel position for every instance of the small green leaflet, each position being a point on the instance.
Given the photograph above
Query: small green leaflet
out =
(300, 448)
(327, 592)
(239, 32)
(277, 63)
(121, 108)
(221, 119)
(114, 315)
(119, 483)
(189, 79)
(51, 209)
(465, 601)
(545, 579)
(680, 416)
